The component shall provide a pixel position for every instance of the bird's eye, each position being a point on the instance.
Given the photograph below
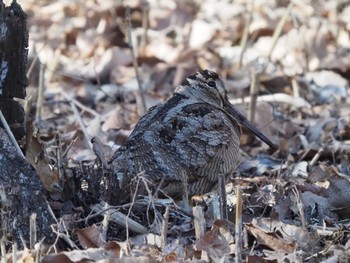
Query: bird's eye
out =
(212, 84)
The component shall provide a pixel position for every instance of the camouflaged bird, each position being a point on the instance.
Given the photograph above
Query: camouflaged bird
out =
(184, 146)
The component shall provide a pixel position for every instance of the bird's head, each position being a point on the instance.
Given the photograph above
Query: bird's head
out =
(207, 86)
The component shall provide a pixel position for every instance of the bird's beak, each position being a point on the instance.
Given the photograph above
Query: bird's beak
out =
(243, 121)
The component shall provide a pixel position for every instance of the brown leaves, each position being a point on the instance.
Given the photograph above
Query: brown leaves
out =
(216, 242)
(90, 237)
(82, 256)
(37, 157)
(293, 199)
(270, 239)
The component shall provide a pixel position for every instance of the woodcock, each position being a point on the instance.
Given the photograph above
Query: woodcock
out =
(183, 147)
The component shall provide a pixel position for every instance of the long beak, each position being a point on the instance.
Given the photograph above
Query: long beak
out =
(243, 121)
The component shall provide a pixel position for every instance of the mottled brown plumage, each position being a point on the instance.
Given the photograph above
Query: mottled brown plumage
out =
(187, 143)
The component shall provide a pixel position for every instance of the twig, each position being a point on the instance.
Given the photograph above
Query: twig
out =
(151, 203)
(278, 30)
(81, 123)
(300, 206)
(215, 204)
(98, 80)
(199, 221)
(58, 147)
(134, 61)
(32, 231)
(185, 195)
(105, 223)
(238, 235)
(14, 252)
(199, 227)
(159, 202)
(39, 103)
(317, 156)
(24, 243)
(79, 104)
(223, 197)
(307, 150)
(254, 89)
(59, 234)
(296, 93)
(38, 250)
(10, 134)
(95, 213)
(277, 97)
(145, 19)
(53, 246)
(121, 219)
(70, 145)
(29, 72)
(53, 65)
(244, 39)
(3, 250)
(296, 88)
(164, 232)
(66, 236)
(4, 200)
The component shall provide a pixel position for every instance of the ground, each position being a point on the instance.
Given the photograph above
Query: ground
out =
(285, 65)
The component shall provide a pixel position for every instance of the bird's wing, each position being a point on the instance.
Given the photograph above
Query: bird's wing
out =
(157, 113)
(198, 134)
(139, 128)
(142, 152)
(168, 144)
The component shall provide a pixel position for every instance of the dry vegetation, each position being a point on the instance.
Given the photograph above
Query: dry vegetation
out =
(286, 64)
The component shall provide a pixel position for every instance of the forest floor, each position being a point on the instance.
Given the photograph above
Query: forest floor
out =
(286, 65)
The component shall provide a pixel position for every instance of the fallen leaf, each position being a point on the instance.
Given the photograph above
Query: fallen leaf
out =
(270, 239)
(90, 237)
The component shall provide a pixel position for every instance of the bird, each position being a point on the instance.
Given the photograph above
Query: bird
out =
(186, 145)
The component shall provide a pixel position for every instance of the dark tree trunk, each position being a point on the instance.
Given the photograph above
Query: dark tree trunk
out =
(21, 194)
(13, 61)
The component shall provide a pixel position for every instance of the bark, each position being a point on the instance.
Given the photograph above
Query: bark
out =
(13, 61)
(21, 195)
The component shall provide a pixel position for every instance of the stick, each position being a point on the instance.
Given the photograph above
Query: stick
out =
(223, 198)
(10, 134)
(134, 61)
(164, 232)
(199, 227)
(121, 219)
(32, 231)
(238, 235)
(39, 103)
(277, 97)
(105, 223)
(244, 39)
(199, 221)
(3, 250)
(215, 205)
(278, 30)
(145, 19)
(254, 89)
(81, 124)
(14, 252)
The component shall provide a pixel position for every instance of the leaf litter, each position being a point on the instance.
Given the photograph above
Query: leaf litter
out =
(295, 201)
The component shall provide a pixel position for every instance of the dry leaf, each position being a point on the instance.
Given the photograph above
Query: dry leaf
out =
(216, 242)
(88, 255)
(270, 239)
(114, 247)
(90, 237)
(37, 157)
